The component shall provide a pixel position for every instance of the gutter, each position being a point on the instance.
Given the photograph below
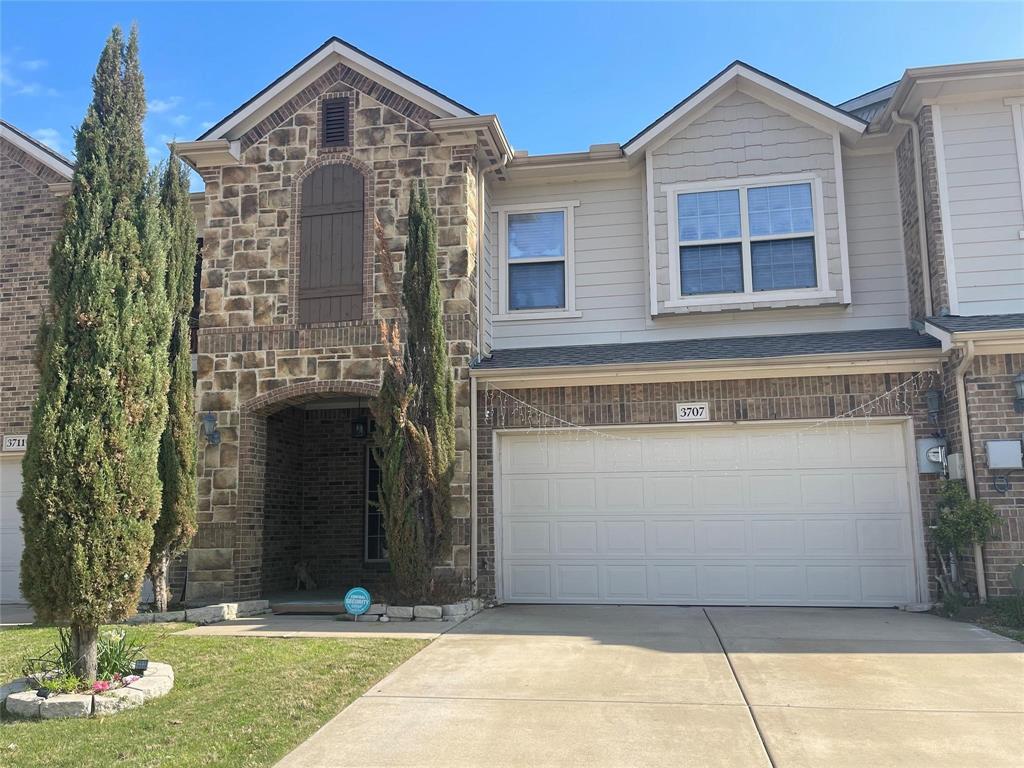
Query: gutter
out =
(965, 440)
(922, 232)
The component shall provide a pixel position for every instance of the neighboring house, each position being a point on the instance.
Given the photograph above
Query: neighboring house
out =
(797, 282)
(34, 184)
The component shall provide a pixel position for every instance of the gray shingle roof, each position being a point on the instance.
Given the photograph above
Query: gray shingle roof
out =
(741, 347)
(957, 324)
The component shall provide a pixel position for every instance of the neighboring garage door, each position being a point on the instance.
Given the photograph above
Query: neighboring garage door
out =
(11, 541)
(750, 515)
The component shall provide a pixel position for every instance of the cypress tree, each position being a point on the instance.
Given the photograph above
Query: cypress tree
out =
(426, 355)
(91, 489)
(177, 463)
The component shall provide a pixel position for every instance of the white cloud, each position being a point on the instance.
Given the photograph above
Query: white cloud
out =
(164, 105)
(179, 120)
(206, 124)
(18, 86)
(50, 137)
(33, 64)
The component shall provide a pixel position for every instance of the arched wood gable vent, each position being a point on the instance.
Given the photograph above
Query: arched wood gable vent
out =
(331, 245)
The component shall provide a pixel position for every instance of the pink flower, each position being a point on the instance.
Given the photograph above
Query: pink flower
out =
(130, 679)
(101, 685)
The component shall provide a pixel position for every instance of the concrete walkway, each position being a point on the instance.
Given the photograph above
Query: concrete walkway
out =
(652, 686)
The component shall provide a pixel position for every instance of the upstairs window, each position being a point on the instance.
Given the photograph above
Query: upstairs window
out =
(747, 240)
(537, 260)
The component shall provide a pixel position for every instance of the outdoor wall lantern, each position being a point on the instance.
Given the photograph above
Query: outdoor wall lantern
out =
(210, 431)
(359, 429)
(1018, 385)
(934, 399)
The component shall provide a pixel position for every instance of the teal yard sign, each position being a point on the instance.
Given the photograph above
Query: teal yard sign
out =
(357, 601)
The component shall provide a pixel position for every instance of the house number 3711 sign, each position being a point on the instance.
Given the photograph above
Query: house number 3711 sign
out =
(692, 412)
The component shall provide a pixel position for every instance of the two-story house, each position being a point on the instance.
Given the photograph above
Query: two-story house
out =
(703, 365)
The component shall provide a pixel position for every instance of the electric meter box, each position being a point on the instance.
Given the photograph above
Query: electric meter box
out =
(955, 466)
(931, 454)
(1004, 454)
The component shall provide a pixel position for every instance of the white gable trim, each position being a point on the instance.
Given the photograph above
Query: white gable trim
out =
(739, 71)
(33, 150)
(318, 62)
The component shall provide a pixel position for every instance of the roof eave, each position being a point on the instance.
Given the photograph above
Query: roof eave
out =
(761, 367)
(250, 112)
(207, 154)
(850, 125)
(37, 150)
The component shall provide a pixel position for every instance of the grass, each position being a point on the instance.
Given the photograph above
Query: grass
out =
(236, 701)
(1002, 615)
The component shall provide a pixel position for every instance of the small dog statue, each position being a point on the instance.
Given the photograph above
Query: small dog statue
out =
(303, 578)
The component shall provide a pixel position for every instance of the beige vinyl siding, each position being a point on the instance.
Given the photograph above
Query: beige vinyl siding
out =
(612, 278)
(737, 138)
(488, 266)
(986, 212)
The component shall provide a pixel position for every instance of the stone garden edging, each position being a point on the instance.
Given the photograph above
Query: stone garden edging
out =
(459, 611)
(207, 614)
(19, 697)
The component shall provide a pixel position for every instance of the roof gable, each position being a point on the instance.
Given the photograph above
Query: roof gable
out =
(332, 52)
(739, 75)
(38, 151)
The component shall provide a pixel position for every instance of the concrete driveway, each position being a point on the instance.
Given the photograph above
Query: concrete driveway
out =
(664, 686)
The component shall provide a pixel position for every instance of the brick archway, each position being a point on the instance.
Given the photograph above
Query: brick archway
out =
(252, 459)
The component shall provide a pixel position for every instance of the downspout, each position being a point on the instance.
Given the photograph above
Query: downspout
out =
(922, 232)
(965, 439)
(474, 536)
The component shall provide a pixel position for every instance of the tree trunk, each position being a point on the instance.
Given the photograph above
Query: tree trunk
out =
(158, 575)
(83, 642)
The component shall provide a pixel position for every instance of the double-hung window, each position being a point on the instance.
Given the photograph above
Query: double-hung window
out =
(537, 260)
(746, 240)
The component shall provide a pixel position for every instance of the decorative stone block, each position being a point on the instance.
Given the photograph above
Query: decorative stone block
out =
(152, 687)
(112, 702)
(377, 609)
(24, 704)
(209, 614)
(430, 612)
(140, 618)
(15, 686)
(251, 607)
(399, 612)
(159, 669)
(455, 609)
(66, 705)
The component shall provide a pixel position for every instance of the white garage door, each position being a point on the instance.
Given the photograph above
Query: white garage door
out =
(11, 541)
(751, 515)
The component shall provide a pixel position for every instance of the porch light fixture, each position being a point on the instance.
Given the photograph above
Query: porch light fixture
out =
(360, 429)
(934, 399)
(210, 431)
(1018, 385)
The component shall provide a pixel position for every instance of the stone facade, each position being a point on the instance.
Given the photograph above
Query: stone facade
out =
(32, 198)
(255, 359)
(812, 397)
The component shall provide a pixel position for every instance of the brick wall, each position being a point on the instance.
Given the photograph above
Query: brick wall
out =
(990, 394)
(751, 400)
(282, 527)
(906, 175)
(933, 214)
(31, 213)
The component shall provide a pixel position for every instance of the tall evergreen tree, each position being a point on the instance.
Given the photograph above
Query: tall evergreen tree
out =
(91, 489)
(414, 443)
(177, 465)
(426, 355)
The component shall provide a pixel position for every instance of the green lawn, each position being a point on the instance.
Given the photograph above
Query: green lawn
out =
(236, 701)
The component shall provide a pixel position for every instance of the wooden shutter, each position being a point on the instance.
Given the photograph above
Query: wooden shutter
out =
(335, 122)
(331, 245)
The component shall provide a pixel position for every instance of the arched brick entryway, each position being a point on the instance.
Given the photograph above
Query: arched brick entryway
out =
(252, 464)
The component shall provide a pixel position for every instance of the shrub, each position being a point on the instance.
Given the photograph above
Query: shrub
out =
(962, 521)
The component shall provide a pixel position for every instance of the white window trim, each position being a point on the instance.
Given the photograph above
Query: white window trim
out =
(749, 295)
(569, 311)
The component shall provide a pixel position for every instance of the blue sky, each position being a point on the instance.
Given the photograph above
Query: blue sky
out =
(561, 76)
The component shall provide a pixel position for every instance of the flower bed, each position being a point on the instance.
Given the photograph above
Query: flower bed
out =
(21, 697)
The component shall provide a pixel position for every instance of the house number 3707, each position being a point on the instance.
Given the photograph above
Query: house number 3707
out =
(692, 412)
